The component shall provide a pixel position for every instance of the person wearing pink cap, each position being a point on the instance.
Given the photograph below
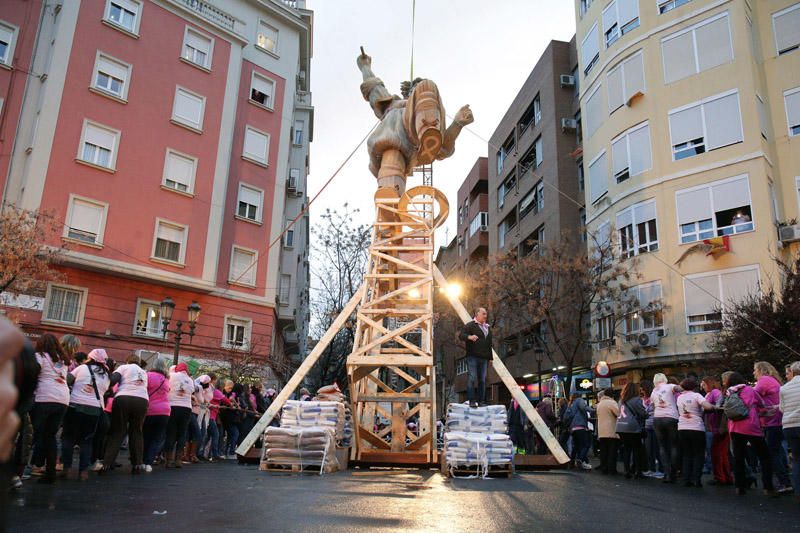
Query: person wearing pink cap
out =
(181, 389)
(127, 414)
(89, 383)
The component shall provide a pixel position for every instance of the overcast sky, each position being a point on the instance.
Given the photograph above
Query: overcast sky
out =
(478, 53)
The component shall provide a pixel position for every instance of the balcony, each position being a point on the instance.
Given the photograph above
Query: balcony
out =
(295, 4)
(211, 13)
(302, 98)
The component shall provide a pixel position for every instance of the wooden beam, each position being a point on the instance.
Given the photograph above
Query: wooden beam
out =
(397, 397)
(420, 442)
(414, 361)
(300, 373)
(373, 439)
(508, 380)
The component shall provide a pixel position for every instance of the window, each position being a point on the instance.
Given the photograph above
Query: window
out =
(533, 201)
(65, 304)
(98, 145)
(262, 90)
(598, 177)
(294, 179)
(576, 77)
(85, 220)
(244, 265)
(593, 112)
(620, 17)
(630, 153)
(148, 319)
(288, 236)
(581, 183)
(285, 289)
(170, 241)
(297, 139)
(706, 125)
(188, 109)
(590, 50)
(249, 203)
(267, 38)
(714, 209)
(237, 332)
(256, 145)
(707, 294)
(506, 188)
(669, 5)
(786, 24)
(532, 115)
(532, 158)
(461, 367)
(179, 171)
(509, 223)
(637, 228)
(479, 223)
(111, 76)
(505, 150)
(124, 14)
(625, 81)
(698, 48)
(604, 327)
(647, 309)
(578, 128)
(600, 246)
(762, 116)
(197, 48)
(533, 243)
(582, 223)
(792, 100)
(8, 39)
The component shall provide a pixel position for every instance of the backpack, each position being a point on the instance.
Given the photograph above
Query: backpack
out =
(569, 415)
(735, 408)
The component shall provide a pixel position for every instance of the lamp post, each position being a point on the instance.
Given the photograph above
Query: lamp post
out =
(167, 307)
(538, 351)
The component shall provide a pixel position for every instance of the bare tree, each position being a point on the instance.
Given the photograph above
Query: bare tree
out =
(252, 363)
(548, 296)
(340, 255)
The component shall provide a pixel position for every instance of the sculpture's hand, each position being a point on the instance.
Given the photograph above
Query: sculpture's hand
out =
(364, 60)
(464, 116)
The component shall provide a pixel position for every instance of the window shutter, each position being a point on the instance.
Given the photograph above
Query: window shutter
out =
(649, 293)
(624, 218)
(787, 28)
(526, 201)
(793, 108)
(619, 155)
(263, 86)
(616, 96)
(188, 107)
(634, 75)
(628, 10)
(86, 216)
(249, 196)
(736, 286)
(598, 178)
(609, 17)
(731, 194)
(714, 44)
(198, 42)
(678, 56)
(643, 212)
(240, 266)
(100, 137)
(128, 4)
(593, 116)
(640, 156)
(686, 125)
(181, 169)
(255, 145)
(723, 121)
(539, 153)
(112, 68)
(694, 205)
(6, 36)
(170, 233)
(590, 46)
(701, 295)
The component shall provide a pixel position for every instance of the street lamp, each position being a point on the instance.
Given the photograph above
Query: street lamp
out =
(167, 307)
(538, 352)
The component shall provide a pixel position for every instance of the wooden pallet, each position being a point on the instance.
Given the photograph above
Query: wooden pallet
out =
(294, 469)
(506, 471)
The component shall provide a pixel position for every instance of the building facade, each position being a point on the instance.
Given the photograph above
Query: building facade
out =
(164, 137)
(691, 115)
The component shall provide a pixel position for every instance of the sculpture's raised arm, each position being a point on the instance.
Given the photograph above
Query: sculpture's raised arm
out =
(463, 117)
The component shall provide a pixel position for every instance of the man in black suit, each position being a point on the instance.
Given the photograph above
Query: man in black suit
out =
(478, 340)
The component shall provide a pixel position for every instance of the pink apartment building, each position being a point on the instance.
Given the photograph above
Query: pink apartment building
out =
(162, 134)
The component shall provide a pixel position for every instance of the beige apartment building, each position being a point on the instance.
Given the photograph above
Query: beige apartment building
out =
(691, 123)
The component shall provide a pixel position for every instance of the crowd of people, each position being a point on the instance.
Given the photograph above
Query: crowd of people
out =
(675, 432)
(74, 401)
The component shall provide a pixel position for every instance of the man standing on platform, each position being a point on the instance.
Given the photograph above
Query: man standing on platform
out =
(478, 340)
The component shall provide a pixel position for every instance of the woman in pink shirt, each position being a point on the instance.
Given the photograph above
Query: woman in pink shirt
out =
(747, 431)
(692, 431)
(665, 424)
(768, 387)
(154, 430)
(51, 401)
(720, 438)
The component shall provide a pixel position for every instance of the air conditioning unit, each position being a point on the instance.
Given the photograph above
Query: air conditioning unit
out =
(789, 233)
(460, 239)
(569, 124)
(291, 183)
(567, 80)
(483, 228)
(648, 339)
(296, 193)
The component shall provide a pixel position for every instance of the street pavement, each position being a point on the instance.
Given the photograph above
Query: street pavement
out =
(231, 497)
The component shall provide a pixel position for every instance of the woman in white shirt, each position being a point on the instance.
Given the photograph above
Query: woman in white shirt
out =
(127, 414)
(692, 431)
(51, 401)
(181, 389)
(89, 382)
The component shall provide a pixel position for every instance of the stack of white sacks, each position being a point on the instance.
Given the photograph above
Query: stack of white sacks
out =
(477, 436)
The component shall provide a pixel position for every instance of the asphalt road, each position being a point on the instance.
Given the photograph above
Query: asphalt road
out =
(231, 497)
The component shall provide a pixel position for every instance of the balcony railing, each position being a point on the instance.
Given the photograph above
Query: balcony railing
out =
(295, 4)
(303, 98)
(210, 13)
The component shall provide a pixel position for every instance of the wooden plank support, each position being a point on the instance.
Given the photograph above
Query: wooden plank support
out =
(508, 380)
(300, 373)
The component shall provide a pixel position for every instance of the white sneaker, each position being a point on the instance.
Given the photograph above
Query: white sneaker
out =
(586, 466)
(148, 468)
(97, 466)
(16, 483)
(647, 473)
(658, 475)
